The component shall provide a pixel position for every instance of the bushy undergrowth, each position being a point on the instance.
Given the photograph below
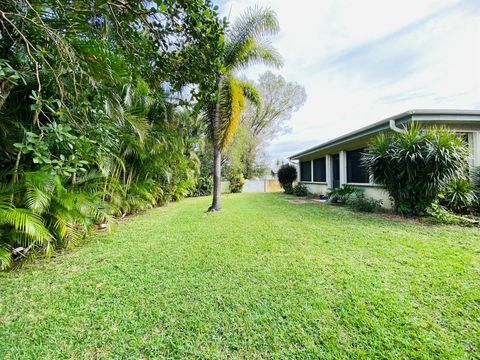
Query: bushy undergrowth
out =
(203, 187)
(340, 195)
(91, 126)
(300, 190)
(236, 182)
(359, 202)
(354, 198)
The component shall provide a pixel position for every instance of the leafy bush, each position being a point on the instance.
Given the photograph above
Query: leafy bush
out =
(340, 195)
(300, 190)
(415, 165)
(459, 196)
(203, 187)
(287, 174)
(236, 182)
(439, 214)
(288, 188)
(359, 202)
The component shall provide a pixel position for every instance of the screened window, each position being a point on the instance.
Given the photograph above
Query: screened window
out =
(356, 173)
(305, 171)
(319, 170)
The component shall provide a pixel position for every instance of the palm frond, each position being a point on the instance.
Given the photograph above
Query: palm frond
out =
(257, 53)
(251, 93)
(248, 30)
(231, 105)
(39, 187)
(5, 256)
(26, 222)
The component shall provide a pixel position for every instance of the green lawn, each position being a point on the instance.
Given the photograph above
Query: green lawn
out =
(264, 278)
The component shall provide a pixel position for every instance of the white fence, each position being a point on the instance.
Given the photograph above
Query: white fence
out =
(255, 186)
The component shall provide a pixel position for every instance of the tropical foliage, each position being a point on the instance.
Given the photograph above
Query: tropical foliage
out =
(99, 113)
(245, 44)
(341, 195)
(416, 165)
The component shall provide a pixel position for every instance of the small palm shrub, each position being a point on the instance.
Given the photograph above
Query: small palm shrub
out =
(300, 190)
(416, 165)
(236, 182)
(39, 214)
(287, 174)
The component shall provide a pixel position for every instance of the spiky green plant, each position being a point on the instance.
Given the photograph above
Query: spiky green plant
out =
(416, 164)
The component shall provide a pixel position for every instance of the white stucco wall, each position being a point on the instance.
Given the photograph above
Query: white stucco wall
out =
(317, 189)
(377, 193)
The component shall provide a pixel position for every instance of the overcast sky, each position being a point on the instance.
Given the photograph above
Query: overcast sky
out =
(364, 60)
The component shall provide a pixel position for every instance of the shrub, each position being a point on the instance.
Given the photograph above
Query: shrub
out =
(439, 214)
(340, 195)
(300, 190)
(287, 174)
(288, 188)
(203, 187)
(359, 202)
(459, 196)
(415, 165)
(236, 182)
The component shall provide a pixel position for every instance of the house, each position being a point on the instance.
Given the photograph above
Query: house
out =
(337, 162)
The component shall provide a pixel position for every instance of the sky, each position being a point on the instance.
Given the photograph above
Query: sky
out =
(361, 61)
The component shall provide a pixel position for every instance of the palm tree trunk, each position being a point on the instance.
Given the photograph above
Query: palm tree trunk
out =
(217, 180)
(217, 158)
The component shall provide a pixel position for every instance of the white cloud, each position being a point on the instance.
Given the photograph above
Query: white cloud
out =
(361, 61)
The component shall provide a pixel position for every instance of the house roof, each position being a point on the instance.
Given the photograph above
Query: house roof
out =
(421, 115)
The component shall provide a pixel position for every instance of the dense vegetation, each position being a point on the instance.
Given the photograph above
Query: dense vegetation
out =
(99, 113)
(266, 278)
(423, 167)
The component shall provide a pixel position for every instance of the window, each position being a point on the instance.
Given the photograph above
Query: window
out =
(356, 173)
(319, 170)
(306, 170)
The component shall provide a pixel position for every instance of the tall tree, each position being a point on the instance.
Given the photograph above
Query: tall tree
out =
(280, 99)
(245, 44)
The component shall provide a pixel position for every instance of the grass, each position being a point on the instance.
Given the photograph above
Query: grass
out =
(264, 278)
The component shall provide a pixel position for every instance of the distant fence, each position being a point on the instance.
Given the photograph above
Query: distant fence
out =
(253, 186)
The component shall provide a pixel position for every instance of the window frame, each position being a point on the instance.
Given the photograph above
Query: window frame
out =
(348, 166)
(324, 181)
(310, 164)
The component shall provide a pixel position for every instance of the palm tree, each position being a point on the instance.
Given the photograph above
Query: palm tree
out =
(245, 44)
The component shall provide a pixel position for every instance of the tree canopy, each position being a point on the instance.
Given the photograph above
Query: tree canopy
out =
(99, 107)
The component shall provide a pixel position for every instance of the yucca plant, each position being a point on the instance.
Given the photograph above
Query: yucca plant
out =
(416, 164)
(459, 196)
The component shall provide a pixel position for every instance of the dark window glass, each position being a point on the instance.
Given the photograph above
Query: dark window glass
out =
(319, 170)
(356, 173)
(305, 171)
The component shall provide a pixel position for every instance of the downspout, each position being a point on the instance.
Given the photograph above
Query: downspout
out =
(394, 127)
